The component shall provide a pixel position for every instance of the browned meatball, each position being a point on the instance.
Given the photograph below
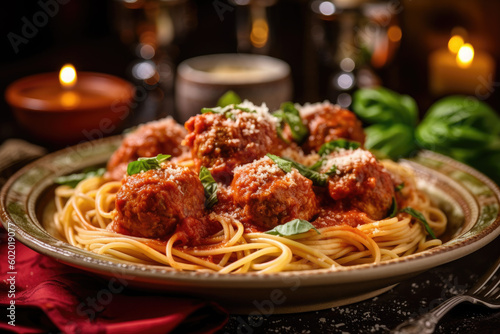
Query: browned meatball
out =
(153, 203)
(327, 122)
(221, 142)
(360, 181)
(269, 197)
(148, 140)
(336, 215)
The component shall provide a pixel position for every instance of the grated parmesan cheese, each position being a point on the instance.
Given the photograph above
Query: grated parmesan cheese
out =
(260, 169)
(346, 160)
(261, 114)
(309, 109)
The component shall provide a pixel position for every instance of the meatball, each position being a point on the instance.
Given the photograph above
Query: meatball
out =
(148, 140)
(360, 181)
(327, 122)
(404, 179)
(152, 204)
(222, 141)
(336, 215)
(269, 197)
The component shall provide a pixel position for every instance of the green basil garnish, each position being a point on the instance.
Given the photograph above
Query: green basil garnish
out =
(293, 227)
(226, 111)
(215, 110)
(73, 179)
(332, 170)
(286, 165)
(210, 187)
(279, 131)
(145, 164)
(400, 186)
(420, 217)
(230, 97)
(290, 115)
(236, 107)
(334, 145)
(384, 106)
(230, 115)
(318, 164)
(390, 140)
(394, 208)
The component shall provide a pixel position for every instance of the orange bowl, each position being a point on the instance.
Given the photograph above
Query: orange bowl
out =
(92, 109)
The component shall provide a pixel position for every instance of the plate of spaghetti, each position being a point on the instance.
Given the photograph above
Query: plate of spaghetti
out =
(274, 212)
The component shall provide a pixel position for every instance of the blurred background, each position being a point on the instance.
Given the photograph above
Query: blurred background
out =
(333, 47)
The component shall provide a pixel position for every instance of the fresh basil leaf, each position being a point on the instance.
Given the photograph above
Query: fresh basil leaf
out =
(382, 105)
(230, 115)
(210, 187)
(293, 227)
(420, 217)
(334, 145)
(145, 164)
(286, 165)
(215, 110)
(394, 208)
(230, 97)
(279, 132)
(288, 114)
(293, 119)
(318, 179)
(464, 112)
(280, 115)
(400, 186)
(462, 127)
(318, 164)
(226, 111)
(73, 179)
(390, 140)
(332, 170)
(244, 109)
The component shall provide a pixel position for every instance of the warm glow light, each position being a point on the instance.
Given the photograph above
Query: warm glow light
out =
(455, 43)
(67, 76)
(394, 33)
(465, 55)
(260, 33)
(70, 99)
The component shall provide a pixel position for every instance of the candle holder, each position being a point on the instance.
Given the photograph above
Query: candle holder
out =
(93, 108)
(460, 70)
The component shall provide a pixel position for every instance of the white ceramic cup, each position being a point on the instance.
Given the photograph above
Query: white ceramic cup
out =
(201, 81)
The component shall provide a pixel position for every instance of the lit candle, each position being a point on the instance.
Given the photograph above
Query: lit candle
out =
(460, 69)
(66, 107)
(67, 78)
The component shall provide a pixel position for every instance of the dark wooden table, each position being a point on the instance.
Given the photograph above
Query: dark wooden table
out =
(384, 312)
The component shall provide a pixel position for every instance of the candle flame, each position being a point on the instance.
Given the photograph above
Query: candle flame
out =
(67, 76)
(465, 55)
(455, 43)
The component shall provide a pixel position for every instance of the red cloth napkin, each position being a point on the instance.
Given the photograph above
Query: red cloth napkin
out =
(50, 296)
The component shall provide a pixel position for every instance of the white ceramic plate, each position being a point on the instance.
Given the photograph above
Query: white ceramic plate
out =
(470, 200)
